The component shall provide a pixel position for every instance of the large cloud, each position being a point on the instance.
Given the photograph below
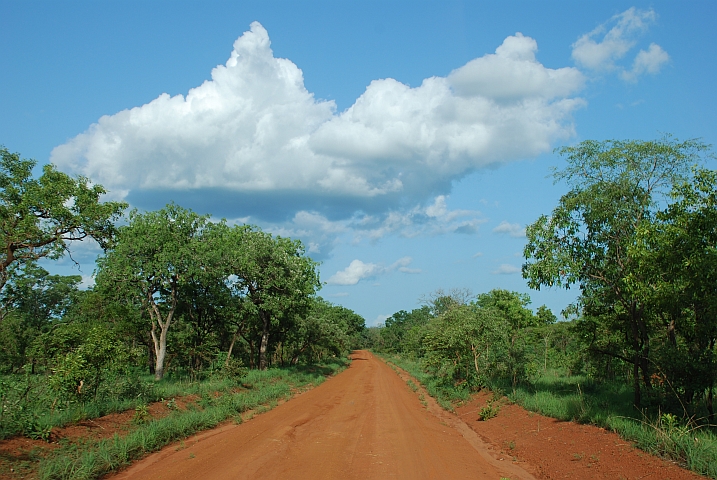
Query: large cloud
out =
(254, 131)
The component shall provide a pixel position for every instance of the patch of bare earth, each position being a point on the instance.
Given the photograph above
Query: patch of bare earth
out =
(558, 449)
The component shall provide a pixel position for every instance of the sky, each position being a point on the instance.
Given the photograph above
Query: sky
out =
(407, 144)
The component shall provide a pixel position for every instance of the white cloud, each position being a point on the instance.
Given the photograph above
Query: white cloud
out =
(254, 128)
(513, 73)
(506, 269)
(601, 49)
(358, 270)
(512, 229)
(88, 281)
(647, 61)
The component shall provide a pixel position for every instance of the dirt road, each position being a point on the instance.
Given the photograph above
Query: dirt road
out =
(364, 423)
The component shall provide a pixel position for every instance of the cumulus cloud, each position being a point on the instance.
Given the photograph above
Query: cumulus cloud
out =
(358, 270)
(379, 320)
(513, 229)
(601, 49)
(506, 269)
(254, 129)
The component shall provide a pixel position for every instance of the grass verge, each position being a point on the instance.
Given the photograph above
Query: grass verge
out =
(92, 460)
(608, 405)
(577, 398)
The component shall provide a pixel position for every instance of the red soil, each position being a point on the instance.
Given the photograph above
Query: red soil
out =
(367, 423)
(557, 449)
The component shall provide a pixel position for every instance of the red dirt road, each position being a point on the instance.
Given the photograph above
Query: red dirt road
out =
(364, 423)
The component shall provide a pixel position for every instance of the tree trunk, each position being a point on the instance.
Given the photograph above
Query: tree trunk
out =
(475, 358)
(160, 344)
(710, 404)
(636, 381)
(160, 349)
(151, 357)
(264, 340)
(231, 347)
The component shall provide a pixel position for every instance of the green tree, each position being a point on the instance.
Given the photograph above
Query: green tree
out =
(467, 344)
(33, 299)
(513, 305)
(152, 259)
(398, 327)
(615, 188)
(271, 278)
(678, 253)
(40, 216)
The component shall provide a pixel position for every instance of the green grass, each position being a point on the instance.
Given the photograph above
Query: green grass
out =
(609, 405)
(581, 399)
(92, 459)
(29, 407)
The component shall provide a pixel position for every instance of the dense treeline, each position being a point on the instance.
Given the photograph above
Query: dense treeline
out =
(175, 292)
(637, 235)
(466, 343)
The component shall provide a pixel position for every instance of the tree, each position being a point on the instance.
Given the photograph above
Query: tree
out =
(467, 344)
(39, 217)
(678, 253)
(398, 327)
(270, 276)
(325, 329)
(33, 299)
(513, 305)
(615, 188)
(153, 256)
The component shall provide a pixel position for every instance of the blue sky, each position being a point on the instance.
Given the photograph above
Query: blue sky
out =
(406, 143)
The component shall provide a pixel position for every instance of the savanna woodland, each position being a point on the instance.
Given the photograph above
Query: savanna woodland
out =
(186, 306)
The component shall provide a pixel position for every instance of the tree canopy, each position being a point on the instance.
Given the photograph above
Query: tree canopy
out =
(40, 216)
(590, 239)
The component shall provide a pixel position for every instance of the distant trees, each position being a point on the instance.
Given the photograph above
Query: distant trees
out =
(470, 341)
(222, 285)
(174, 292)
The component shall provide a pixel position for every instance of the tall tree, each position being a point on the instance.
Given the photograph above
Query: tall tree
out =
(615, 188)
(272, 276)
(678, 253)
(153, 256)
(40, 216)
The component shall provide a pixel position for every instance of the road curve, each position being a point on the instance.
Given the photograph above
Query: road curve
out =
(364, 423)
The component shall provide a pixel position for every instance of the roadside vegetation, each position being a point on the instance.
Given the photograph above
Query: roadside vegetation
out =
(636, 234)
(181, 306)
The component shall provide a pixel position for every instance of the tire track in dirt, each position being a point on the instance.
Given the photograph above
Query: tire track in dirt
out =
(363, 423)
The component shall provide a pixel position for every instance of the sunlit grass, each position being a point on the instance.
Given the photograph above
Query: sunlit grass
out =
(266, 388)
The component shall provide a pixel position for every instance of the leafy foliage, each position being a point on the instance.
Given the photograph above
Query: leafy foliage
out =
(39, 217)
